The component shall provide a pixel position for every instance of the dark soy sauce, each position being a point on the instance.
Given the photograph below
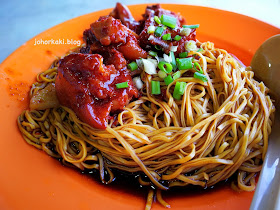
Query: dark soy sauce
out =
(123, 182)
(128, 184)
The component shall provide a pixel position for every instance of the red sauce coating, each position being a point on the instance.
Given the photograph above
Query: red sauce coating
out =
(88, 87)
(131, 50)
(108, 31)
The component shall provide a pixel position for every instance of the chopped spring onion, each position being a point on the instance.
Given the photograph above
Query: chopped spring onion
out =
(176, 75)
(185, 31)
(173, 48)
(149, 66)
(161, 74)
(159, 31)
(166, 37)
(190, 46)
(157, 20)
(122, 85)
(157, 59)
(164, 66)
(184, 63)
(140, 63)
(152, 53)
(191, 26)
(151, 29)
(182, 87)
(199, 50)
(196, 65)
(155, 87)
(158, 47)
(168, 80)
(173, 60)
(179, 90)
(154, 61)
(177, 38)
(138, 82)
(168, 21)
(200, 76)
(167, 58)
(151, 37)
(183, 54)
(132, 66)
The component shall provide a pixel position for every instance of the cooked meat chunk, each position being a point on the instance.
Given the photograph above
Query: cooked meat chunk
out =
(111, 33)
(109, 30)
(122, 12)
(88, 87)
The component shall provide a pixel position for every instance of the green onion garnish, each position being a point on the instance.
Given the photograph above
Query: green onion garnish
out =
(159, 31)
(176, 75)
(191, 26)
(132, 66)
(168, 80)
(184, 63)
(173, 60)
(177, 38)
(168, 21)
(183, 54)
(122, 85)
(161, 74)
(155, 86)
(166, 37)
(182, 87)
(156, 18)
(164, 66)
(200, 76)
(152, 53)
(179, 90)
(158, 47)
(196, 65)
(200, 49)
(151, 29)
(185, 31)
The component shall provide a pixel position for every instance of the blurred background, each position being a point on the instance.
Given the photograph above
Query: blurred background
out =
(22, 20)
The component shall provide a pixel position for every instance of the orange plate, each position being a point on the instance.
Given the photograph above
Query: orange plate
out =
(30, 179)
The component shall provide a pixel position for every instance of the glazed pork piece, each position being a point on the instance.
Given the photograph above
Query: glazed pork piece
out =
(88, 87)
(122, 12)
(109, 33)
